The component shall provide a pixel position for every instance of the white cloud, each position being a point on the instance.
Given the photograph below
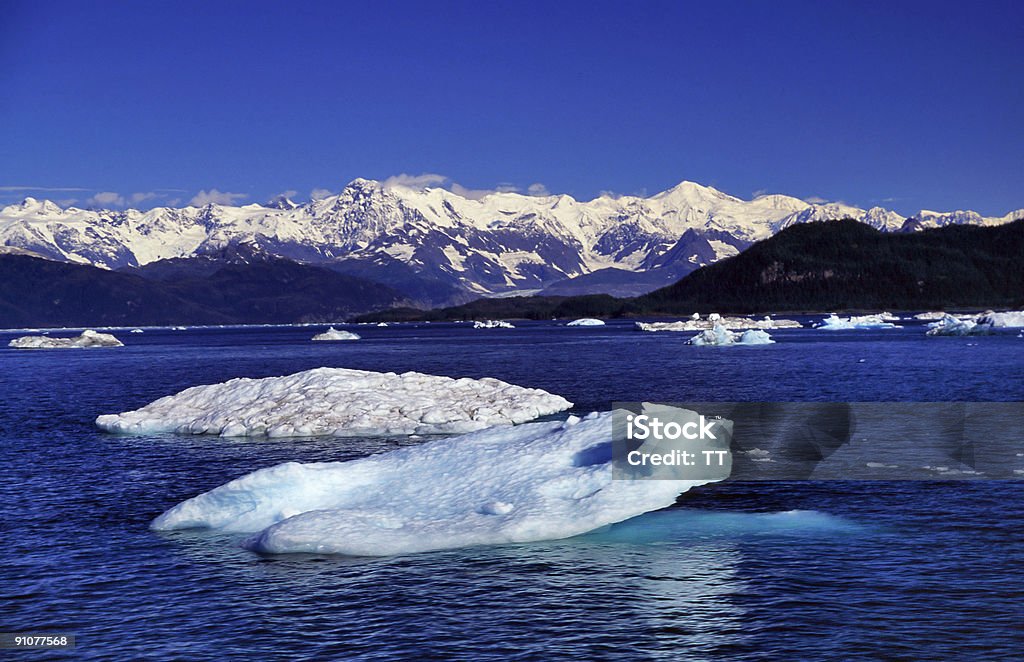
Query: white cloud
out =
(41, 188)
(419, 182)
(213, 196)
(136, 198)
(758, 193)
(106, 199)
(478, 193)
(290, 194)
(432, 180)
(319, 193)
(815, 200)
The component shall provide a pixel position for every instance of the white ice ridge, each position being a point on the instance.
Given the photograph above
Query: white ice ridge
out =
(492, 324)
(695, 323)
(88, 338)
(339, 402)
(336, 334)
(539, 481)
(719, 335)
(952, 326)
(880, 321)
(586, 321)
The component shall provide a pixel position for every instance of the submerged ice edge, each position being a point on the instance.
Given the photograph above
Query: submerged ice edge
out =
(502, 485)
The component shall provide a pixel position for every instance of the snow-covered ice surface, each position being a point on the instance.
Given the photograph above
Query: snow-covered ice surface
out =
(492, 324)
(1007, 319)
(586, 321)
(88, 338)
(539, 481)
(719, 335)
(339, 402)
(952, 326)
(695, 323)
(835, 323)
(336, 334)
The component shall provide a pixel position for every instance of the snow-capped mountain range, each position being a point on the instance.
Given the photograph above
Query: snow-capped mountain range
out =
(503, 242)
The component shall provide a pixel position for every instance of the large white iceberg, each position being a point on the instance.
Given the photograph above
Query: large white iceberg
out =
(539, 481)
(695, 323)
(339, 402)
(492, 324)
(336, 334)
(586, 321)
(952, 326)
(719, 335)
(88, 338)
(835, 323)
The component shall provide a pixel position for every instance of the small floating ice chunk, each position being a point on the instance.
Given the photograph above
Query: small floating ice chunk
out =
(136, 331)
(88, 338)
(336, 334)
(835, 323)
(338, 402)
(492, 324)
(951, 326)
(719, 335)
(586, 321)
(501, 485)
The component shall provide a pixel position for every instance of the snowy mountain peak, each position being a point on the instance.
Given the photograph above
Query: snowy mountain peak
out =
(433, 240)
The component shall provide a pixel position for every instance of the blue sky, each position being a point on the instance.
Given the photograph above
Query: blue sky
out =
(904, 105)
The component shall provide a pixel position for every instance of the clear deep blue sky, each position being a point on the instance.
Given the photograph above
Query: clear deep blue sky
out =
(906, 105)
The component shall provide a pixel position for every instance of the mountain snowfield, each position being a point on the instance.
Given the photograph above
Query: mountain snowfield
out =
(501, 243)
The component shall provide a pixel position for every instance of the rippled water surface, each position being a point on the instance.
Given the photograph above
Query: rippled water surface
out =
(791, 570)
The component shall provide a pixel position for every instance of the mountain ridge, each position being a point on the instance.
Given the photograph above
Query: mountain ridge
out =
(447, 247)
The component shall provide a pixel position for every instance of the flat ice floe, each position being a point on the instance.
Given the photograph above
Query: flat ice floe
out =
(539, 481)
(695, 323)
(88, 338)
(952, 326)
(586, 321)
(492, 324)
(336, 334)
(880, 321)
(338, 402)
(719, 335)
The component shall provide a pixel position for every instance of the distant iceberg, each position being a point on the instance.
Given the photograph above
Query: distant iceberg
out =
(539, 481)
(338, 402)
(930, 316)
(136, 331)
(695, 323)
(88, 338)
(952, 326)
(586, 321)
(336, 334)
(880, 321)
(1008, 319)
(492, 324)
(719, 335)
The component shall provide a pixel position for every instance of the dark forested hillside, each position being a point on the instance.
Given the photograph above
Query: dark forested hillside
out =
(835, 265)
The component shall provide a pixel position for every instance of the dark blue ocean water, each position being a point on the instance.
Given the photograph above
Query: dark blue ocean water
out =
(796, 570)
